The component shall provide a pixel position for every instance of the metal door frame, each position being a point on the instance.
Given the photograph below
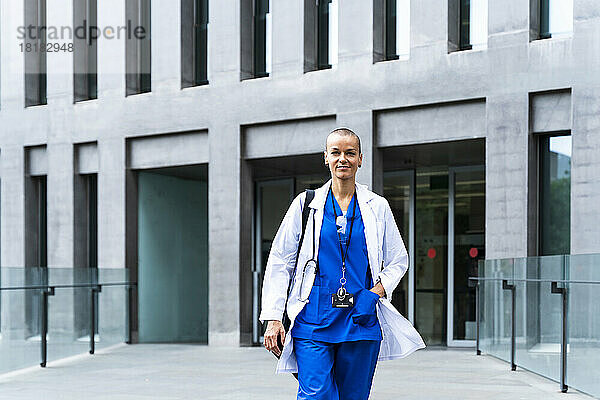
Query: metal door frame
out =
(256, 238)
(411, 174)
(450, 341)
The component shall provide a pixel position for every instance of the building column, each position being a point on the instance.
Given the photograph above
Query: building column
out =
(111, 52)
(508, 23)
(12, 206)
(59, 63)
(224, 28)
(586, 48)
(287, 30)
(224, 219)
(355, 37)
(166, 45)
(60, 204)
(12, 60)
(111, 236)
(506, 176)
(585, 178)
(12, 209)
(111, 203)
(428, 30)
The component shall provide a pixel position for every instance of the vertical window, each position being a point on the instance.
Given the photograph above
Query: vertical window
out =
(92, 220)
(256, 38)
(86, 220)
(138, 47)
(35, 224)
(92, 237)
(35, 54)
(555, 18)
(467, 24)
(478, 32)
(86, 248)
(544, 19)
(327, 29)
(403, 28)
(85, 54)
(320, 34)
(323, 34)
(92, 234)
(555, 195)
(262, 38)
(37, 252)
(194, 42)
(42, 223)
(36, 259)
(397, 188)
(391, 29)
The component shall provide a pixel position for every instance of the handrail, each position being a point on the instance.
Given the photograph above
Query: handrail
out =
(77, 285)
(472, 278)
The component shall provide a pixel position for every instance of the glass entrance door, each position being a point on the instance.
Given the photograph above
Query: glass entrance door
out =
(431, 254)
(441, 216)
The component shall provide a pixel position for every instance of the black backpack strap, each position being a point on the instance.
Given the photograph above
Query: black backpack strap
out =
(310, 195)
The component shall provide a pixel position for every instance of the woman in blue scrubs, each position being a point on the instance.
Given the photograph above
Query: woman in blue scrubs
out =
(337, 334)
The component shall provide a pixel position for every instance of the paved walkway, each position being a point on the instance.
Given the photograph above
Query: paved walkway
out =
(143, 372)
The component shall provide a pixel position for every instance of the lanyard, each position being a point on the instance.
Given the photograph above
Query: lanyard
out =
(344, 255)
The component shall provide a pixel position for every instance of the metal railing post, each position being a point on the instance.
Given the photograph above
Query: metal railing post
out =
(129, 313)
(475, 283)
(44, 322)
(94, 293)
(563, 336)
(477, 317)
(506, 286)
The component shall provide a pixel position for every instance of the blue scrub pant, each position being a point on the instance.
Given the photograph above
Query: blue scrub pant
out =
(334, 371)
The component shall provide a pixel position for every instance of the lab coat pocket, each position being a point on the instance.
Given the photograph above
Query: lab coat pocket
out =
(365, 308)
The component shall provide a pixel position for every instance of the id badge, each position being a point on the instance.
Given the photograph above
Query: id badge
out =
(342, 299)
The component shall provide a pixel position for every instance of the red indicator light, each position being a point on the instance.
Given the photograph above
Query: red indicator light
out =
(431, 253)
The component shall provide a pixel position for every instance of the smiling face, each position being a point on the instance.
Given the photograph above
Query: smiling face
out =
(343, 155)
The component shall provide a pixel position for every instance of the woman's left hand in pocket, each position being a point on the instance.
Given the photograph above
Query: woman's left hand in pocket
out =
(365, 307)
(378, 288)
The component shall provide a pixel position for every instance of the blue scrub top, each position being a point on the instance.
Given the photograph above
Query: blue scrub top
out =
(318, 320)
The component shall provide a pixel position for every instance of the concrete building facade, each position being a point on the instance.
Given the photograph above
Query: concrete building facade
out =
(479, 109)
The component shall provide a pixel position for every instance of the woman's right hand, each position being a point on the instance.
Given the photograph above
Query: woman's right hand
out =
(274, 329)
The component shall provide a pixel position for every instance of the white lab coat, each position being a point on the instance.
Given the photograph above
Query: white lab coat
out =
(388, 261)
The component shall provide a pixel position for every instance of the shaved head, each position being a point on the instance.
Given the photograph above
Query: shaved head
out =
(343, 131)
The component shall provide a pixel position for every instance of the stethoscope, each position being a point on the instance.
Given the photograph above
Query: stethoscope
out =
(311, 263)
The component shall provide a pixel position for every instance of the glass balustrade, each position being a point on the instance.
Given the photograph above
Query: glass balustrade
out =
(556, 316)
(79, 300)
